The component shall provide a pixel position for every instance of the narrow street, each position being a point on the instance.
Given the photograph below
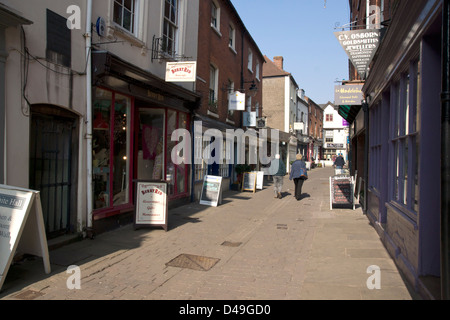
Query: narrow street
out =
(252, 247)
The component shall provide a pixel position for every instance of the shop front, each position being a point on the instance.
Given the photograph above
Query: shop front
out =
(134, 116)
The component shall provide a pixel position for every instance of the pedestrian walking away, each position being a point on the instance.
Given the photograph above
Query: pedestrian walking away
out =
(278, 171)
(339, 163)
(299, 174)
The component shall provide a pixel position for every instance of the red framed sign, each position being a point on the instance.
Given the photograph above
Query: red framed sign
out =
(151, 204)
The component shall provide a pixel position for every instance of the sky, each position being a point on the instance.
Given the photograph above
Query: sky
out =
(302, 31)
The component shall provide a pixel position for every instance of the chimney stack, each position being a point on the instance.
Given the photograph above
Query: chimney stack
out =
(278, 61)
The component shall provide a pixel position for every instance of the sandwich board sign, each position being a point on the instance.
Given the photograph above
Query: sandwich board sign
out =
(21, 227)
(211, 191)
(151, 204)
(249, 183)
(259, 180)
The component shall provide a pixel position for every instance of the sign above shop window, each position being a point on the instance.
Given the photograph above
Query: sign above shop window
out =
(360, 46)
(181, 71)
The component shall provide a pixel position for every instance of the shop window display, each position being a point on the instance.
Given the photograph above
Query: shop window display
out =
(110, 157)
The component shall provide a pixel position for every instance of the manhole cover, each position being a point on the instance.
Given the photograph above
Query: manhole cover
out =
(190, 261)
(282, 226)
(231, 244)
(29, 295)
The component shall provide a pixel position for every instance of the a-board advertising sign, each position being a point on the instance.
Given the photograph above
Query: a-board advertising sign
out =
(342, 191)
(249, 181)
(151, 204)
(259, 180)
(211, 191)
(21, 227)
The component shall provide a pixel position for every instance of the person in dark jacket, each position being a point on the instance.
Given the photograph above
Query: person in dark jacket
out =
(339, 163)
(278, 171)
(298, 167)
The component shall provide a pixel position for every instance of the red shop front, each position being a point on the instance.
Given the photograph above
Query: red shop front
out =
(134, 116)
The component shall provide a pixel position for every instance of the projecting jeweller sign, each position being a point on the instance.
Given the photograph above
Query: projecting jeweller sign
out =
(360, 46)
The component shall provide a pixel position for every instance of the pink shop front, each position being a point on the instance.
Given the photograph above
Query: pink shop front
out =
(132, 126)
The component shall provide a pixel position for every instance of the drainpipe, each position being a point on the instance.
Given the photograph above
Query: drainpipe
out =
(89, 196)
(445, 154)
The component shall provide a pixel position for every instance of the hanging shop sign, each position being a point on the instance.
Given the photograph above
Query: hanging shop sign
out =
(181, 71)
(348, 95)
(360, 46)
(211, 191)
(151, 204)
(236, 101)
(21, 227)
(249, 119)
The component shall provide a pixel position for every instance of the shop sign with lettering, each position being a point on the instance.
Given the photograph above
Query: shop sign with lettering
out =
(348, 95)
(21, 227)
(360, 46)
(181, 71)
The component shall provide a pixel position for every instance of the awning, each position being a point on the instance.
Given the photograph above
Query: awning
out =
(349, 113)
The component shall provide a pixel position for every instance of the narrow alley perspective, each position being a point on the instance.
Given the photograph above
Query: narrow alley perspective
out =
(252, 247)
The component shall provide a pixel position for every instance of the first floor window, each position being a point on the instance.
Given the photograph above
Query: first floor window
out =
(125, 14)
(170, 27)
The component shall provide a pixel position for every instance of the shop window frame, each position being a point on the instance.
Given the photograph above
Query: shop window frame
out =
(111, 209)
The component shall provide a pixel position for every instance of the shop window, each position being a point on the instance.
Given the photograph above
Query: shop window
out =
(404, 139)
(176, 175)
(111, 149)
(150, 157)
(224, 167)
(200, 168)
(154, 161)
(375, 147)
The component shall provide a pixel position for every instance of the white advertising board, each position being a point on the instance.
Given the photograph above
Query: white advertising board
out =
(21, 227)
(211, 191)
(181, 71)
(236, 101)
(151, 204)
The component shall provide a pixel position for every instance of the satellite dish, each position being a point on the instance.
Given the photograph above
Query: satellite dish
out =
(101, 27)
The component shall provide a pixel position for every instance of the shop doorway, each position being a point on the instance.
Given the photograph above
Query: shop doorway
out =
(52, 162)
